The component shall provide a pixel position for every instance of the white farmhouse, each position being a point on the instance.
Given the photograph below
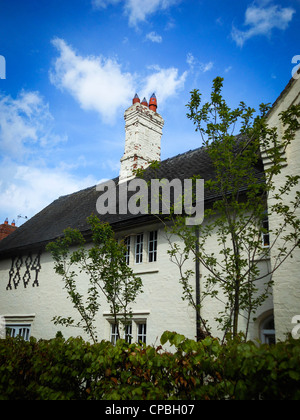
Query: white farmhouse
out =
(31, 293)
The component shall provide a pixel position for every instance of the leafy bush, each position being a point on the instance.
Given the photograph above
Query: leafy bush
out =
(76, 370)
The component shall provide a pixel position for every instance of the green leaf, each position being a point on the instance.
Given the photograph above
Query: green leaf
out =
(294, 375)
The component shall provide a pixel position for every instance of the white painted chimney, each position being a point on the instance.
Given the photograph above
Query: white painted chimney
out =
(143, 131)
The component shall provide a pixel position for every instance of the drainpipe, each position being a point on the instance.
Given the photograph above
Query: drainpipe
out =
(199, 332)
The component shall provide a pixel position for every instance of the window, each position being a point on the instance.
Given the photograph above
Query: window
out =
(128, 333)
(152, 248)
(114, 335)
(139, 240)
(138, 247)
(132, 330)
(142, 333)
(268, 331)
(265, 234)
(125, 333)
(127, 252)
(18, 331)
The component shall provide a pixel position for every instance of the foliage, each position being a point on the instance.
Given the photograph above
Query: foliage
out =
(104, 265)
(243, 200)
(73, 369)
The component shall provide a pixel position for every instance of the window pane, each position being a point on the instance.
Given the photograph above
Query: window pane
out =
(11, 332)
(152, 247)
(114, 334)
(127, 252)
(268, 334)
(139, 248)
(270, 339)
(142, 332)
(24, 333)
(265, 235)
(128, 333)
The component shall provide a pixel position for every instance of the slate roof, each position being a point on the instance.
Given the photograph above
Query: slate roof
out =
(72, 210)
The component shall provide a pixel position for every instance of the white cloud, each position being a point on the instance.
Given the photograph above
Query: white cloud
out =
(164, 82)
(28, 180)
(25, 121)
(137, 10)
(97, 83)
(154, 37)
(26, 189)
(104, 3)
(198, 66)
(208, 66)
(190, 59)
(262, 20)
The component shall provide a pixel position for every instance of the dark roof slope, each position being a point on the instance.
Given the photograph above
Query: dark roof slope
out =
(72, 210)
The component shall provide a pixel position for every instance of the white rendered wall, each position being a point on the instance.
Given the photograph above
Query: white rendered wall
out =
(287, 277)
(161, 304)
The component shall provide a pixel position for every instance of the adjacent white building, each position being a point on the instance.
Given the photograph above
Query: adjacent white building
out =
(286, 290)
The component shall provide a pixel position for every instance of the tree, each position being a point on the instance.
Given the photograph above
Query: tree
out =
(237, 219)
(104, 265)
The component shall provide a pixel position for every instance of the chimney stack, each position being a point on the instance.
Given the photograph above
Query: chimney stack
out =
(143, 131)
(6, 229)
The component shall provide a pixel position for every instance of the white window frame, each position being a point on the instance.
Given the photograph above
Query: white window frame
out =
(128, 333)
(139, 248)
(133, 330)
(125, 332)
(266, 333)
(127, 243)
(142, 332)
(265, 237)
(19, 324)
(113, 333)
(152, 246)
(21, 330)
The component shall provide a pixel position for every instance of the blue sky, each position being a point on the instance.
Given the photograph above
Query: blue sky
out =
(73, 67)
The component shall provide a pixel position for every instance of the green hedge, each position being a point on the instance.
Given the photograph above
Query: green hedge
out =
(74, 369)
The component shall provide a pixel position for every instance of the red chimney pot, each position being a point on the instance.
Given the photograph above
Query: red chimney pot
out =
(153, 103)
(136, 99)
(144, 102)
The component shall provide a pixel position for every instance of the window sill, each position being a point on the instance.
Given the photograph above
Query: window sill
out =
(263, 257)
(134, 314)
(145, 271)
